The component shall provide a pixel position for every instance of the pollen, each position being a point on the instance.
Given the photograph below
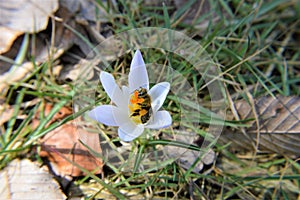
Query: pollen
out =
(135, 98)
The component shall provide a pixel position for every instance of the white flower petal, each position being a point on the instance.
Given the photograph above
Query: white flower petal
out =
(158, 95)
(126, 91)
(105, 114)
(112, 89)
(126, 95)
(138, 76)
(161, 119)
(129, 131)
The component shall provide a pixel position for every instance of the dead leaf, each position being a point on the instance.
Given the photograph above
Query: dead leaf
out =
(62, 113)
(65, 37)
(17, 73)
(19, 16)
(64, 142)
(73, 72)
(14, 75)
(279, 125)
(6, 112)
(187, 157)
(8, 36)
(86, 10)
(26, 15)
(25, 180)
(63, 145)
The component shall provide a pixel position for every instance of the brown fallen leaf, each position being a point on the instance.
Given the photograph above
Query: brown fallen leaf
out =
(279, 127)
(64, 142)
(62, 113)
(63, 147)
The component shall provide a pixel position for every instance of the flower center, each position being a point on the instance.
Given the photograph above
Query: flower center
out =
(140, 110)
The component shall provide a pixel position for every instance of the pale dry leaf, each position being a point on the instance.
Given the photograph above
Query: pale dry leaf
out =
(8, 36)
(19, 16)
(86, 9)
(15, 75)
(65, 37)
(279, 125)
(6, 112)
(23, 179)
(26, 15)
(73, 72)
(187, 157)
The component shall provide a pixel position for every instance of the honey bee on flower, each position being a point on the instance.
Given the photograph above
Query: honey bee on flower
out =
(140, 106)
(136, 107)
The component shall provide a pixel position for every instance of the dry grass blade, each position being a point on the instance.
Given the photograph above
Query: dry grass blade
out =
(279, 125)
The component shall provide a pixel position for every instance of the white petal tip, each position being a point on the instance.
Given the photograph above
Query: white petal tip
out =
(129, 131)
(104, 74)
(158, 95)
(105, 114)
(138, 76)
(162, 119)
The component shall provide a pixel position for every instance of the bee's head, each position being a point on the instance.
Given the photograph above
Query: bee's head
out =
(142, 91)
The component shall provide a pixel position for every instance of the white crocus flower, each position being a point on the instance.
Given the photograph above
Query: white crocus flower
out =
(132, 112)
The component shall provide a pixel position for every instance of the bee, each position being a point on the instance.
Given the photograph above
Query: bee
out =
(140, 106)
